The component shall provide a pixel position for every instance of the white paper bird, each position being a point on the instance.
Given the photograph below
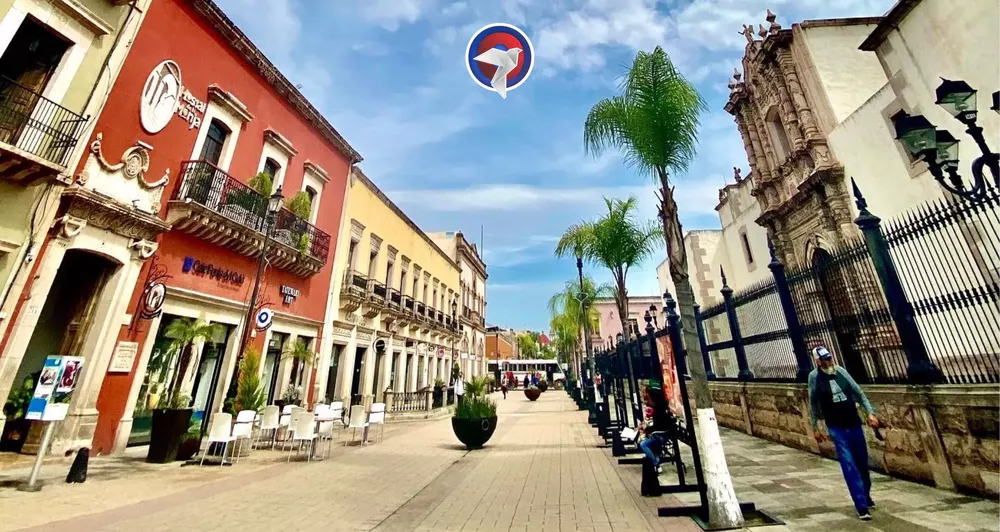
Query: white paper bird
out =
(505, 61)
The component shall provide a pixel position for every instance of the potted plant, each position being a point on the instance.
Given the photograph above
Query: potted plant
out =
(543, 385)
(262, 183)
(532, 392)
(437, 394)
(15, 430)
(249, 388)
(475, 419)
(302, 357)
(169, 424)
(191, 442)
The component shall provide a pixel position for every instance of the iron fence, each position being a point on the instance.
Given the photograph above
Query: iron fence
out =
(37, 125)
(915, 302)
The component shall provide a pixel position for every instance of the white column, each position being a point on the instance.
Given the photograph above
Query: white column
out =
(346, 371)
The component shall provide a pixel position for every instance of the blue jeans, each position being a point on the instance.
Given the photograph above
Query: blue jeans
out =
(651, 447)
(852, 453)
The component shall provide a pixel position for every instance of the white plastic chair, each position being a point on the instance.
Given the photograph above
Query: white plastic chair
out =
(243, 430)
(359, 420)
(304, 431)
(286, 417)
(336, 412)
(377, 417)
(219, 431)
(326, 421)
(269, 421)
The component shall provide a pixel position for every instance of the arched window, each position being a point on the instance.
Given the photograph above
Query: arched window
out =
(271, 168)
(215, 140)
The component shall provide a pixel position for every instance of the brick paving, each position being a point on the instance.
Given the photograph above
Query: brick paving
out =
(543, 470)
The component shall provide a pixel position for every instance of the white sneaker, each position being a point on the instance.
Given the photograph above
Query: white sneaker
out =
(659, 470)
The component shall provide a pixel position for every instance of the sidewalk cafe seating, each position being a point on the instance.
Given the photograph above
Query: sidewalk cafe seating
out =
(303, 430)
(377, 417)
(243, 430)
(269, 423)
(358, 421)
(219, 431)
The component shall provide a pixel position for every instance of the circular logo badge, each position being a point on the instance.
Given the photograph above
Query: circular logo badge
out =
(263, 320)
(500, 58)
(160, 96)
(152, 301)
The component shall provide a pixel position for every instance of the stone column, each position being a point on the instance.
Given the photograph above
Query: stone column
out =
(787, 65)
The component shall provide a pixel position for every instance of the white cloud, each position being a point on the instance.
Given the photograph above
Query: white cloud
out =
(390, 14)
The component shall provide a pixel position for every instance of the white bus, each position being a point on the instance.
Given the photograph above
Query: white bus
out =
(549, 370)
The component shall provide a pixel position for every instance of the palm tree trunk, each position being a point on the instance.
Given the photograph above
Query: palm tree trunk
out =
(723, 506)
(187, 353)
(584, 311)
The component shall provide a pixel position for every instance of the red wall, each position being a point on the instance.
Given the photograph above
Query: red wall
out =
(173, 30)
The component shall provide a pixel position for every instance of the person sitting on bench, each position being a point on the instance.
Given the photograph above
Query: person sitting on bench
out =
(657, 424)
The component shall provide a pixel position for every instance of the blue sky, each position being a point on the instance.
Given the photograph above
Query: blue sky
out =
(390, 76)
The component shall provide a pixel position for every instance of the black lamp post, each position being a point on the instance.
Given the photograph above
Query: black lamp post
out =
(273, 206)
(939, 149)
(454, 313)
(652, 312)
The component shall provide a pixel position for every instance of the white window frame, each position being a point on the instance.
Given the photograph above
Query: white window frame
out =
(316, 177)
(54, 16)
(229, 115)
(279, 148)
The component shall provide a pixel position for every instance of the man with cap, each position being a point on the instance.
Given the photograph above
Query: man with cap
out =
(833, 395)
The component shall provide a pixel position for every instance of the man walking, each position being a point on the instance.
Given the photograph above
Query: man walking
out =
(833, 395)
(459, 391)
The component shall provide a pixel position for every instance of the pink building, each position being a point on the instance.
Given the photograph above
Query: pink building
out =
(610, 324)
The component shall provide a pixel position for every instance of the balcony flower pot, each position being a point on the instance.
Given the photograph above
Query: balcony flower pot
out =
(532, 393)
(474, 433)
(543, 386)
(166, 434)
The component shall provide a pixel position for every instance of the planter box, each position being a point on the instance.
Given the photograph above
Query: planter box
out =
(474, 433)
(167, 434)
(532, 393)
(15, 433)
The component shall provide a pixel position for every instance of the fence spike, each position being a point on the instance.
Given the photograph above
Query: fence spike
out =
(649, 322)
(669, 305)
(723, 273)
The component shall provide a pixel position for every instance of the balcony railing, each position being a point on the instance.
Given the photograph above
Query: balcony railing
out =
(440, 317)
(421, 309)
(37, 125)
(206, 184)
(408, 303)
(377, 289)
(395, 298)
(356, 282)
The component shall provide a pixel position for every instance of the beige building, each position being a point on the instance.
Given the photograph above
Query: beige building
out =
(815, 104)
(393, 294)
(472, 300)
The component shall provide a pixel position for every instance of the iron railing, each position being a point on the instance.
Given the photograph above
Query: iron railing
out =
(37, 125)
(408, 303)
(355, 282)
(377, 289)
(421, 310)
(206, 184)
(916, 302)
(395, 298)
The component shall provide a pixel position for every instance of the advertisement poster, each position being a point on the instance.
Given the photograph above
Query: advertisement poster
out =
(45, 388)
(671, 384)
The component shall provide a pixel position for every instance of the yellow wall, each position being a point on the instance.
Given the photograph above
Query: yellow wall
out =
(366, 207)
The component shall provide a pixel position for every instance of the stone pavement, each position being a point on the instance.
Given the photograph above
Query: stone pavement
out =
(542, 470)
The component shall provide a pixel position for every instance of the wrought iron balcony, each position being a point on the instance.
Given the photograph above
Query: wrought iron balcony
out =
(375, 301)
(395, 299)
(37, 135)
(408, 304)
(354, 291)
(440, 317)
(421, 310)
(216, 207)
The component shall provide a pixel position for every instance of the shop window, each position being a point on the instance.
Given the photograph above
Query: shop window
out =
(215, 141)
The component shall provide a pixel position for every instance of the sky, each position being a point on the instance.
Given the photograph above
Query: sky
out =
(512, 174)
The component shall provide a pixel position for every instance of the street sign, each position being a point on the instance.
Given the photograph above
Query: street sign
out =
(263, 319)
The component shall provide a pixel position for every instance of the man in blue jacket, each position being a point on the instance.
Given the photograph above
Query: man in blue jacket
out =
(834, 395)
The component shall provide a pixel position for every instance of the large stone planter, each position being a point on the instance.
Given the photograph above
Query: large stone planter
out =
(474, 433)
(532, 393)
(166, 434)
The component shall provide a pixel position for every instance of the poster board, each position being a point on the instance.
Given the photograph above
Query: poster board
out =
(55, 386)
(671, 382)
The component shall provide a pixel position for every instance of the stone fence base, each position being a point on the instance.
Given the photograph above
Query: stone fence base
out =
(944, 436)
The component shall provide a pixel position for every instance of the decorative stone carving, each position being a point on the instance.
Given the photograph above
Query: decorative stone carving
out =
(107, 213)
(70, 226)
(143, 249)
(134, 164)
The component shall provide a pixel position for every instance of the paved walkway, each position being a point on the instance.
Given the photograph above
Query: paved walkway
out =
(542, 470)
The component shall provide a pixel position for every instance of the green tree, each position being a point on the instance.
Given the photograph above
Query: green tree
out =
(567, 309)
(186, 332)
(653, 123)
(301, 356)
(527, 345)
(249, 388)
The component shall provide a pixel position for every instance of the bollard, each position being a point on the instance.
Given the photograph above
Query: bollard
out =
(78, 471)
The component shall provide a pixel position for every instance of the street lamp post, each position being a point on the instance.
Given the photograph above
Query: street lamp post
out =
(454, 313)
(273, 206)
(939, 149)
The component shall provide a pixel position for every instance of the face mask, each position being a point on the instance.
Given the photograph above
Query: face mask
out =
(829, 371)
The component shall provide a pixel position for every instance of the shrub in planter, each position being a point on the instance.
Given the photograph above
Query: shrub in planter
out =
(475, 421)
(532, 392)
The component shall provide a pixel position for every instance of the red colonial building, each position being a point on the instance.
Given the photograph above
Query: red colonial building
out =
(199, 130)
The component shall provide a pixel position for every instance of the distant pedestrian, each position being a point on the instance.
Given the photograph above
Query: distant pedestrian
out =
(834, 395)
(503, 388)
(534, 379)
(459, 390)
(526, 381)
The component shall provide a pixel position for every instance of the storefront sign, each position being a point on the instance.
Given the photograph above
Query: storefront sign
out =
(192, 265)
(191, 109)
(56, 382)
(124, 357)
(289, 294)
(160, 96)
(152, 300)
(263, 319)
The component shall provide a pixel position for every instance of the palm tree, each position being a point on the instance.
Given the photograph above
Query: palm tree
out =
(568, 308)
(618, 240)
(653, 123)
(301, 356)
(186, 332)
